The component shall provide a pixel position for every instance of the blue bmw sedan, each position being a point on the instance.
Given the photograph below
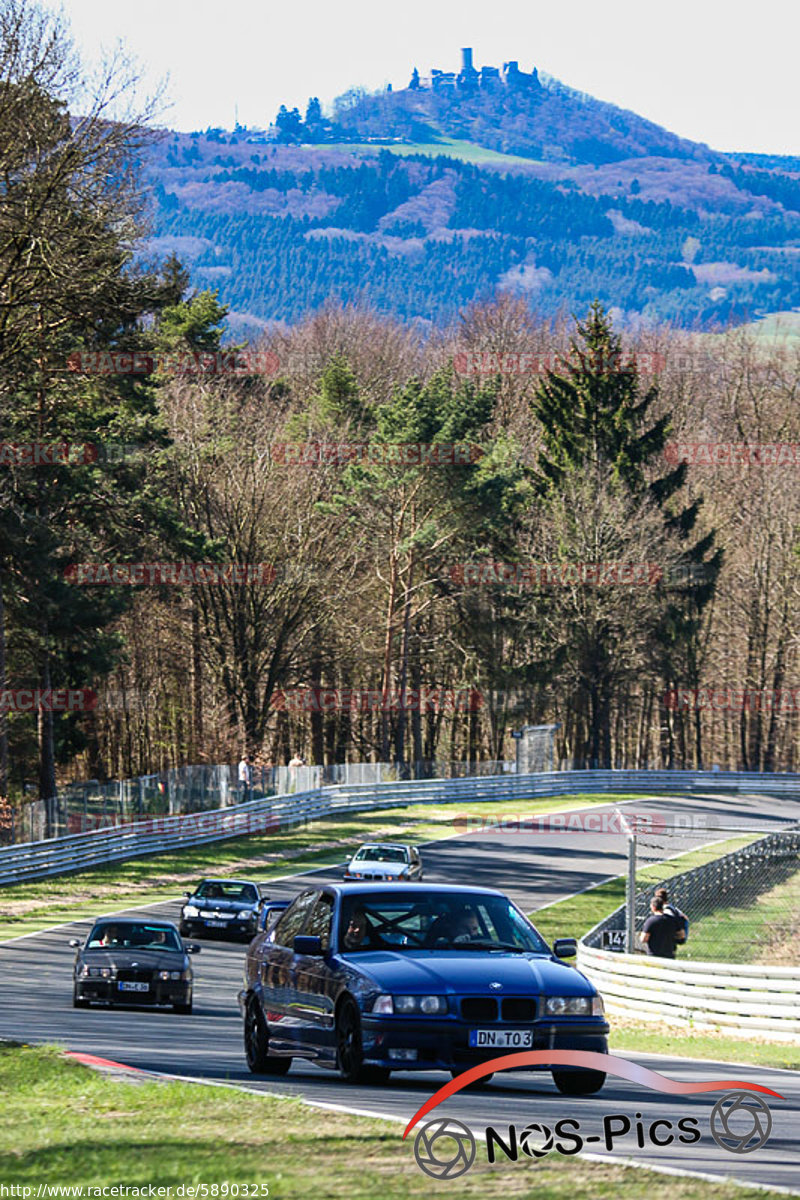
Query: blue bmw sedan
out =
(370, 978)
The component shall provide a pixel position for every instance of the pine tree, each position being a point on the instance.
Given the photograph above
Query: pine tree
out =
(595, 421)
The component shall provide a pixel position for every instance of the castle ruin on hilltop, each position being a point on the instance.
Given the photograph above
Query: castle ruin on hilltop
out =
(469, 77)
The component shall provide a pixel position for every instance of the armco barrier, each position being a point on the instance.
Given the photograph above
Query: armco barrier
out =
(36, 860)
(755, 1000)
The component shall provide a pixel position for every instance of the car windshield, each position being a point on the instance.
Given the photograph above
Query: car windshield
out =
(133, 937)
(405, 921)
(395, 854)
(221, 889)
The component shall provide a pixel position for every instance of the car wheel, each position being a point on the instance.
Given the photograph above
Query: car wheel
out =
(182, 1008)
(477, 1083)
(77, 1002)
(256, 1044)
(184, 930)
(579, 1083)
(349, 1046)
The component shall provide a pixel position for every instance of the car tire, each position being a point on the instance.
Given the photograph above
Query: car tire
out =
(182, 1008)
(349, 1047)
(184, 930)
(256, 1044)
(478, 1083)
(77, 1002)
(579, 1083)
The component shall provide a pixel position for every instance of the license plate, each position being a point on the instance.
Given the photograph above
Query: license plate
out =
(216, 924)
(133, 987)
(515, 1039)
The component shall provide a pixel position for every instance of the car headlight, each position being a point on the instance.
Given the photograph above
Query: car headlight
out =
(97, 972)
(191, 910)
(428, 1005)
(169, 974)
(247, 915)
(570, 1006)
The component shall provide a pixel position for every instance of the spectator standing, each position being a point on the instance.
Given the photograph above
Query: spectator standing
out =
(294, 765)
(658, 932)
(246, 778)
(680, 919)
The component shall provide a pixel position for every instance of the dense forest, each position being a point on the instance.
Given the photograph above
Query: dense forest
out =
(281, 230)
(224, 550)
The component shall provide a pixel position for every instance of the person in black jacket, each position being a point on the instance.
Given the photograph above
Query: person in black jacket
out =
(658, 932)
(680, 919)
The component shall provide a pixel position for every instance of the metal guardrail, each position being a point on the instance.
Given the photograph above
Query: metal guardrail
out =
(748, 1000)
(37, 860)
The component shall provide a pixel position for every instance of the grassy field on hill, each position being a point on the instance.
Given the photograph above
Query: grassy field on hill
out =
(451, 147)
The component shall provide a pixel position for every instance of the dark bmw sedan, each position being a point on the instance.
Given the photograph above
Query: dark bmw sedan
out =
(133, 962)
(222, 907)
(371, 978)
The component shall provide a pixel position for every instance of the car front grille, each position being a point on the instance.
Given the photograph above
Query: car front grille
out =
(479, 1008)
(131, 975)
(518, 1008)
(511, 1008)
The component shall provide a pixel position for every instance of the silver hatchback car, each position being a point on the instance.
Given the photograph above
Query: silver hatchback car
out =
(385, 862)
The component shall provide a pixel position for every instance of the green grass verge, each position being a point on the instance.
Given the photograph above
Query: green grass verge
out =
(765, 930)
(66, 1125)
(641, 1038)
(28, 907)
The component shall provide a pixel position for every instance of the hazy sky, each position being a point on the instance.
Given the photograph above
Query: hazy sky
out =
(718, 71)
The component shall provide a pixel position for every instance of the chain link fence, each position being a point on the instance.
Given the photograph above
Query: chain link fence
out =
(80, 807)
(740, 891)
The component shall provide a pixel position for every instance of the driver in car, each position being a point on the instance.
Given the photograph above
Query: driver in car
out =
(467, 926)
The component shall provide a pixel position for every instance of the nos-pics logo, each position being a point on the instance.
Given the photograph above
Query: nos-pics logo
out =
(740, 1121)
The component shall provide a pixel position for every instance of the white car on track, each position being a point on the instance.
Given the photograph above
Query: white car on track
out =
(385, 862)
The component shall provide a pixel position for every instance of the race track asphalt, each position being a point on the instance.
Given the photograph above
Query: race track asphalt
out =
(534, 869)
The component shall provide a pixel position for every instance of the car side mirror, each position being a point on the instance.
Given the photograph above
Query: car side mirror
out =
(76, 942)
(565, 947)
(306, 944)
(192, 948)
(187, 895)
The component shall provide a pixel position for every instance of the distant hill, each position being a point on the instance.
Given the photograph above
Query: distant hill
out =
(422, 200)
